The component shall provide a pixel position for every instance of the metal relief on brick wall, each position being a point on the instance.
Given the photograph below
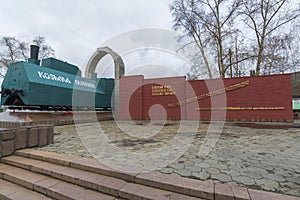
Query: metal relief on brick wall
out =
(162, 90)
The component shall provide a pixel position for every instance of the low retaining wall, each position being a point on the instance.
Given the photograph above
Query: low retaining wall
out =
(22, 119)
(33, 136)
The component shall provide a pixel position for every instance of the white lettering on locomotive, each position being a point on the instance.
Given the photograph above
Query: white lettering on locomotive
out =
(54, 77)
(85, 84)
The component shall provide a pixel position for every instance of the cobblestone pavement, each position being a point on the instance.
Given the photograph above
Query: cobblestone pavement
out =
(266, 159)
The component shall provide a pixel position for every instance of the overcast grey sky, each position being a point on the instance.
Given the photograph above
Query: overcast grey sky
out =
(75, 28)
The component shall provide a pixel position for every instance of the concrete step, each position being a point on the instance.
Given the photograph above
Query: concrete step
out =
(131, 183)
(171, 183)
(100, 183)
(48, 186)
(10, 191)
(86, 164)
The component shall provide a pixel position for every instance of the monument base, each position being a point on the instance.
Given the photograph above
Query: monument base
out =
(20, 119)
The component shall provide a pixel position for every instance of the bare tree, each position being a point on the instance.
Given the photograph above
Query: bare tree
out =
(45, 50)
(12, 50)
(210, 24)
(198, 69)
(282, 53)
(23, 47)
(185, 20)
(294, 46)
(238, 58)
(264, 17)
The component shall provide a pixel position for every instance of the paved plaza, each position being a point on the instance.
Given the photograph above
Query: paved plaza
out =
(259, 157)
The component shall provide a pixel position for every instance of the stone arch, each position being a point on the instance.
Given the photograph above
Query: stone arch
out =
(98, 55)
(119, 71)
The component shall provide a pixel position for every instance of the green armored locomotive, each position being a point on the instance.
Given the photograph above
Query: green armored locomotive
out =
(53, 84)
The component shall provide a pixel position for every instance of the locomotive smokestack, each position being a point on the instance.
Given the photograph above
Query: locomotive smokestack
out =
(34, 52)
(34, 55)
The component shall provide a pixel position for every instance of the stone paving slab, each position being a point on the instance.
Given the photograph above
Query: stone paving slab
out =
(264, 159)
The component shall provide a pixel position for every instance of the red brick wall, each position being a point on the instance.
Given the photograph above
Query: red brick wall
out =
(131, 97)
(178, 86)
(263, 98)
